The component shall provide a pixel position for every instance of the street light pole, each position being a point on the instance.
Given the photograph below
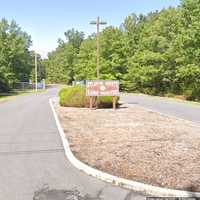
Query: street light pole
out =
(98, 23)
(35, 72)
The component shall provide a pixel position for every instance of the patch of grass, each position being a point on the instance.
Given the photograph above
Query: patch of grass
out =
(10, 95)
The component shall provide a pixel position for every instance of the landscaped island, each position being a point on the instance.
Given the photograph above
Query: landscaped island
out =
(135, 144)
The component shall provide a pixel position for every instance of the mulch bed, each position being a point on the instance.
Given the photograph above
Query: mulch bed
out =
(136, 144)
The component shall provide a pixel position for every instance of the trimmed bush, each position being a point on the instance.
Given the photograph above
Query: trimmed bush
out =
(105, 102)
(73, 97)
(76, 97)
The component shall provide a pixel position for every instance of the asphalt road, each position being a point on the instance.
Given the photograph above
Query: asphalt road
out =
(32, 161)
(180, 109)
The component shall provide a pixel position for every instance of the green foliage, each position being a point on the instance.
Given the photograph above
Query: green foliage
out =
(85, 67)
(112, 55)
(15, 58)
(105, 102)
(188, 78)
(60, 65)
(151, 69)
(76, 97)
(73, 97)
(75, 38)
(157, 53)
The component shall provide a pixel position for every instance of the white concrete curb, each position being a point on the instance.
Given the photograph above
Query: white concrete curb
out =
(128, 184)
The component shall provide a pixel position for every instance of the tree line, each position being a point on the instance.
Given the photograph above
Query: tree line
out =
(16, 58)
(157, 53)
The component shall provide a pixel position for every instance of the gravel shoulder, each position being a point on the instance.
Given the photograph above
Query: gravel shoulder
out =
(136, 144)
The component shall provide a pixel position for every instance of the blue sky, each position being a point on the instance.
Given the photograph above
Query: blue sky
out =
(47, 20)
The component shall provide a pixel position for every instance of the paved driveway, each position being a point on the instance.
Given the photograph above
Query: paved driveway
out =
(178, 109)
(32, 161)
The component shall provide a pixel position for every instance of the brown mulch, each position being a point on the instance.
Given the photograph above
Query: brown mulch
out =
(136, 144)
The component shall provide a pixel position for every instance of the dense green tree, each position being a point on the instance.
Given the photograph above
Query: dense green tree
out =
(61, 62)
(187, 48)
(75, 38)
(157, 53)
(85, 68)
(15, 56)
(113, 61)
(154, 59)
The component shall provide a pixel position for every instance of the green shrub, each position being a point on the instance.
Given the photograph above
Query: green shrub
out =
(105, 102)
(76, 97)
(169, 94)
(192, 94)
(73, 97)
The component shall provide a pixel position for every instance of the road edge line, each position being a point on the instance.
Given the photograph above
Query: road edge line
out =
(117, 181)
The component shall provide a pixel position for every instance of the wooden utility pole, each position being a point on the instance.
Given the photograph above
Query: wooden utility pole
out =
(35, 72)
(98, 23)
(98, 48)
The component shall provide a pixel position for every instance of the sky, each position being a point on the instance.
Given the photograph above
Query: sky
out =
(47, 20)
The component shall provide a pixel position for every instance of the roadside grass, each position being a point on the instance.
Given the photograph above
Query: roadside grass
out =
(179, 99)
(10, 95)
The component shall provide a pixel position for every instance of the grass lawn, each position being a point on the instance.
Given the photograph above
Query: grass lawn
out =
(15, 93)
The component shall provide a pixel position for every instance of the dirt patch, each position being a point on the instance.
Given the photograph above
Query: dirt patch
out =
(136, 144)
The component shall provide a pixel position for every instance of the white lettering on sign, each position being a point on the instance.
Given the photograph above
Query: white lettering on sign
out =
(102, 88)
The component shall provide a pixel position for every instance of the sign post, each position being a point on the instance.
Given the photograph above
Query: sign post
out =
(91, 102)
(114, 102)
(95, 88)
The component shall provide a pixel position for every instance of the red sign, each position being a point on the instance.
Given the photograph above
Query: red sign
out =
(102, 88)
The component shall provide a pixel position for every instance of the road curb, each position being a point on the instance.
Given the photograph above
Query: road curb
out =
(125, 183)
